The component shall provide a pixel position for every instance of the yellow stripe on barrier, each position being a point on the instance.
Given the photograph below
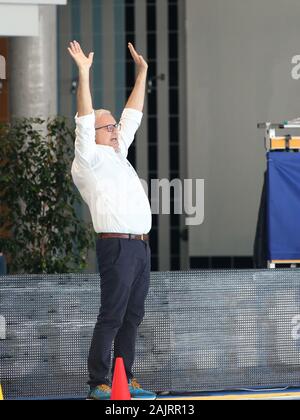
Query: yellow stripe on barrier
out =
(1, 393)
(253, 396)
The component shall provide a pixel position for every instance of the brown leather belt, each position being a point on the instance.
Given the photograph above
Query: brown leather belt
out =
(123, 236)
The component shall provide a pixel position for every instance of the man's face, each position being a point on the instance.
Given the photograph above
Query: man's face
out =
(105, 137)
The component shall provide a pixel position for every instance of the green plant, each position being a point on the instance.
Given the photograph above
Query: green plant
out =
(38, 198)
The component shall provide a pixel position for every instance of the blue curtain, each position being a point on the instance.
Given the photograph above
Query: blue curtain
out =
(283, 205)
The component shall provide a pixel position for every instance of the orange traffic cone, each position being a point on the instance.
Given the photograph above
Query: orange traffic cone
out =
(120, 389)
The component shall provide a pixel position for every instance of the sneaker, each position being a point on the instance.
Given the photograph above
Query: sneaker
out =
(101, 392)
(137, 392)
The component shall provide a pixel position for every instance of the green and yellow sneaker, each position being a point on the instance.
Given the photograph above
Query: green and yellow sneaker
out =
(101, 392)
(137, 392)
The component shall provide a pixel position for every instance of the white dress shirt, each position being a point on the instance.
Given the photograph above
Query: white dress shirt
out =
(107, 181)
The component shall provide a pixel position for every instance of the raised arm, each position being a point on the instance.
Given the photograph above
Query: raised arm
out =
(132, 114)
(84, 63)
(85, 142)
(137, 97)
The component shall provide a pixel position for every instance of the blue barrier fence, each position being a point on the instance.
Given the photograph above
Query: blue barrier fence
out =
(203, 330)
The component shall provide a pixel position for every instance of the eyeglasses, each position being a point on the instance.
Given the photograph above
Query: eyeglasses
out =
(110, 128)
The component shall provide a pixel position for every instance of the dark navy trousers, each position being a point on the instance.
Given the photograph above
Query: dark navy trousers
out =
(124, 266)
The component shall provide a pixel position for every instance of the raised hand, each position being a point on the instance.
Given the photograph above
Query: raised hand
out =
(83, 62)
(137, 98)
(138, 59)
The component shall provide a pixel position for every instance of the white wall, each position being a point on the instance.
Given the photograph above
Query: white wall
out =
(41, 2)
(239, 56)
(21, 17)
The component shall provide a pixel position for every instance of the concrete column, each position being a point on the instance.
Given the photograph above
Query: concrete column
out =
(33, 70)
(163, 128)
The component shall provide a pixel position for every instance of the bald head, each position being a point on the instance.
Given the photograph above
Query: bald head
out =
(100, 112)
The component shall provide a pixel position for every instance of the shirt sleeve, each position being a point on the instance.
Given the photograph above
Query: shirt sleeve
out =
(85, 143)
(130, 122)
